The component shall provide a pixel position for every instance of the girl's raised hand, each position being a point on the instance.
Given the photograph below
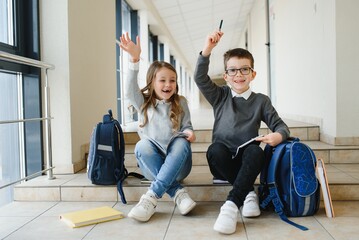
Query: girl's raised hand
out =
(134, 50)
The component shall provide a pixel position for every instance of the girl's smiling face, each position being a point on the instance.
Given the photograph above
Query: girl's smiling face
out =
(239, 82)
(165, 83)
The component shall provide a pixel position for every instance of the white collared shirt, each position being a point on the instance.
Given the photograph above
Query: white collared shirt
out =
(244, 95)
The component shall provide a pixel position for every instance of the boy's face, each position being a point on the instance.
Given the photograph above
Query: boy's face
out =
(239, 80)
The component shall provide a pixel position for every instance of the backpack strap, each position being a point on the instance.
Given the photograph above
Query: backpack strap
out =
(136, 175)
(276, 157)
(273, 190)
(120, 191)
(120, 176)
(123, 169)
(278, 207)
(270, 175)
(268, 152)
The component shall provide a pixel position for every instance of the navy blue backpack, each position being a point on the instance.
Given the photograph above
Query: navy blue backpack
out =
(288, 182)
(106, 158)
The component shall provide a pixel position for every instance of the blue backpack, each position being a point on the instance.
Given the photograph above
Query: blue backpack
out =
(288, 181)
(106, 158)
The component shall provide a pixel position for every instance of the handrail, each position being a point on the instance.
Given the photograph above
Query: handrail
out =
(30, 176)
(24, 60)
(23, 120)
(46, 107)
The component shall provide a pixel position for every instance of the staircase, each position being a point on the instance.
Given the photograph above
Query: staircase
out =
(342, 164)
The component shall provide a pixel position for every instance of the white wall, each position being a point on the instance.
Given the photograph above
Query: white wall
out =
(347, 68)
(315, 63)
(305, 60)
(257, 37)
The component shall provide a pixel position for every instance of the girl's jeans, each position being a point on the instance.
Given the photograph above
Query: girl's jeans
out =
(241, 171)
(165, 171)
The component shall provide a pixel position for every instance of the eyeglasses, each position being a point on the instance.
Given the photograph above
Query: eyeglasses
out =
(244, 71)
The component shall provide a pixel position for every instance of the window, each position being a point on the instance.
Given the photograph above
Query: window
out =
(161, 53)
(6, 23)
(10, 134)
(126, 21)
(173, 61)
(153, 48)
(20, 94)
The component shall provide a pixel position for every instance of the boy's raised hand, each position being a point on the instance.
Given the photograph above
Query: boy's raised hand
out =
(211, 41)
(134, 50)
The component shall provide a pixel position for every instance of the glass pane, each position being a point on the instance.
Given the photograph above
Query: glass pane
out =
(128, 110)
(9, 135)
(6, 22)
(32, 138)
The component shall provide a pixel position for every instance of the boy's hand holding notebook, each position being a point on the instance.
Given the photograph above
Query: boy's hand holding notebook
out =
(245, 144)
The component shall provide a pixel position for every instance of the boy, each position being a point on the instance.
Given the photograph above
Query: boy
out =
(238, 113)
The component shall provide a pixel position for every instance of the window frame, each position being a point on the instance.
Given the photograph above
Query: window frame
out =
(26, 35)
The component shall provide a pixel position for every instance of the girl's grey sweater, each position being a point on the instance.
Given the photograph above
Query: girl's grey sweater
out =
(159, 126)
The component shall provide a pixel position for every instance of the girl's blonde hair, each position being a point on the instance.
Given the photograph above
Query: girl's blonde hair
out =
(150, 96)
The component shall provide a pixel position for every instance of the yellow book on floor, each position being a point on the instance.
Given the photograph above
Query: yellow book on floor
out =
(90, 216)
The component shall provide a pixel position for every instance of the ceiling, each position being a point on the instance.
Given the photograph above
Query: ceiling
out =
(186, 24)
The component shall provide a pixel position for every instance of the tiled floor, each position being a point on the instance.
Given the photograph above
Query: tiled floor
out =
(40, 220)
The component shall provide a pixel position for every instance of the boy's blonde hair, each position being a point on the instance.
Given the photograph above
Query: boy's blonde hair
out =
(238, 53)
(150, 96)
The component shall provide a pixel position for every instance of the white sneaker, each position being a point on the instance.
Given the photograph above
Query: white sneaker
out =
(183, 201)
(227, 219)
(144, 209)
(251, 206)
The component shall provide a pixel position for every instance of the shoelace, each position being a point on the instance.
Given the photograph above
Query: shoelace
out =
(146, 203)
(181, 197)
(228, 211)
(250, 199)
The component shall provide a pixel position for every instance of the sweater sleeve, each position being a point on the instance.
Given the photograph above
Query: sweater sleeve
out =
(132, 90)
(273, 121)
(211, 91)
(186, 116)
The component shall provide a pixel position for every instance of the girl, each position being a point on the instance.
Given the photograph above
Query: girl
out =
(164, 151)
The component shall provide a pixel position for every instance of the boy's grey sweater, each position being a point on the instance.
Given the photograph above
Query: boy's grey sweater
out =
(159, 126)
(236, 120)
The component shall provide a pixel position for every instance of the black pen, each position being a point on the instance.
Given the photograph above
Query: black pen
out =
(220, 25)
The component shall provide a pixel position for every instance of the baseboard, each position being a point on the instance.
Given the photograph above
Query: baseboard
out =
(339, 141)
(70, 168)
(305, 119)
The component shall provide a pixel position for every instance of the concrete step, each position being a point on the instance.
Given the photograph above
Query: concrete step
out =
(303, 131)
(343, 182)
(329, 153)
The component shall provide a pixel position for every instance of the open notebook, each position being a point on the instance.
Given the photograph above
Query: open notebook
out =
(245, 144)
(90, 216)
